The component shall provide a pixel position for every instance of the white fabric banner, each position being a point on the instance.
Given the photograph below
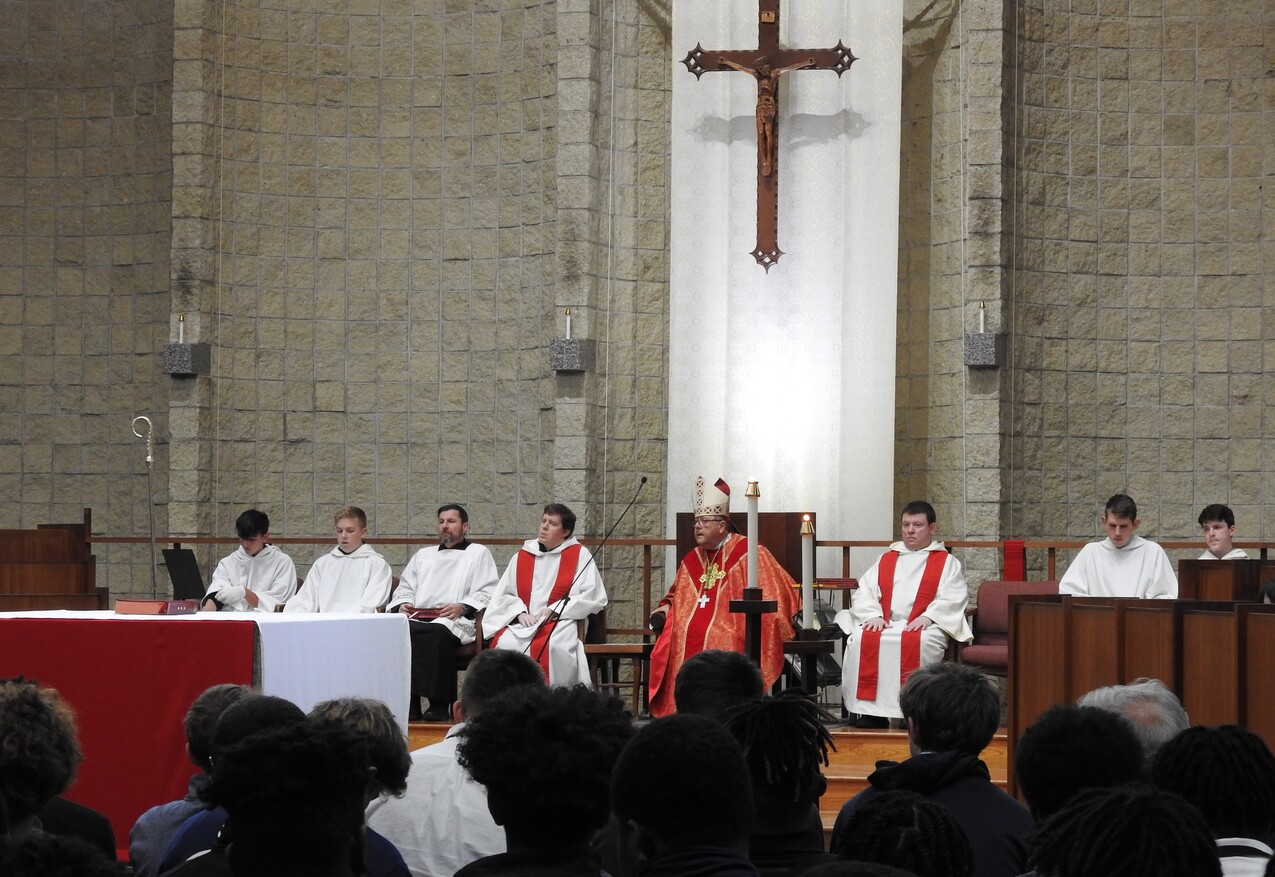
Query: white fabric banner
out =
(788, 376)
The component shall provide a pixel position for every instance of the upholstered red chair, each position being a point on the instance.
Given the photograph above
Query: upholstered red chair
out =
(989, 651)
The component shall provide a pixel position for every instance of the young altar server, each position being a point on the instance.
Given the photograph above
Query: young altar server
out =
(1217, 522)
(549, 585)
(1122, 565)
(255, 576)
(352, 577)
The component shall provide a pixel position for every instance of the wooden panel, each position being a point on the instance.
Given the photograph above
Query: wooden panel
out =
(780, 532)
(1220, 579)
(50, 567)
(39, 602)
(42, 578)
(1036, 678)
(1257, 626)
(1091, 645)
(1210, 663)
(1148, 640)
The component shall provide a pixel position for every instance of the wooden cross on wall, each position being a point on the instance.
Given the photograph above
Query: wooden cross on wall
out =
(766, 64)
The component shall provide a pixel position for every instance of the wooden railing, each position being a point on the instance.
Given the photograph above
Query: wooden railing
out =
(649, 545)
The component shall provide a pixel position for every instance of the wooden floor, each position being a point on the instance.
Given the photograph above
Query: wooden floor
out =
(848, 767)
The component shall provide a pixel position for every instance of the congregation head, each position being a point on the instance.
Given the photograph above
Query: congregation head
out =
(682, 782)
(950, 708)
(252, 524)
(39, 749)
(40, 854)
(294, 796)
(1069, 748)
(493, 672)
(1227, 772)
(202, 717)
(374, 723)
(1153, 710)
(714, 681)
(1126, 830)
(902, 829)
(545, 757)
(251, 713)
(785, 746)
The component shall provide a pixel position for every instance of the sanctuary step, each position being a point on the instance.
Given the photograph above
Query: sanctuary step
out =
(848, 767)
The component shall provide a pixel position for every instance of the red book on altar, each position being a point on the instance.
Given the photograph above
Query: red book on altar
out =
(156, 607)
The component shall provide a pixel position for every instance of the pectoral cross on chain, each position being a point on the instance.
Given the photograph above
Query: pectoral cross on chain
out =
(712, 575)
(766, 64)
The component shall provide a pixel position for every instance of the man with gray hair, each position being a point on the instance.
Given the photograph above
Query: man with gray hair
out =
(1154, 711)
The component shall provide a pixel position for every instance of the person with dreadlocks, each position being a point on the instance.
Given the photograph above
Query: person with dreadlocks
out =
(785, 746)
(1127, 831)
(906, 831)
(1229, 774)
(952, 711)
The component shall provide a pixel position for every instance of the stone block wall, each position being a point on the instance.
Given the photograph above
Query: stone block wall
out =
(85, 140)
(381, 212)
(1142, 264)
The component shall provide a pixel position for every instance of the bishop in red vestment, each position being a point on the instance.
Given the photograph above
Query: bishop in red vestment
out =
(695, 614)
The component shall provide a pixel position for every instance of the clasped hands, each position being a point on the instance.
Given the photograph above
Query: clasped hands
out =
(878, 623)
(526, 619)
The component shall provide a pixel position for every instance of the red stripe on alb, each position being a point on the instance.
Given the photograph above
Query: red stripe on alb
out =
(910, 647)
(567, 562)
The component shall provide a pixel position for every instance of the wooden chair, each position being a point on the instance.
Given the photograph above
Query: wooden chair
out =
(989, 650)
(605, 658)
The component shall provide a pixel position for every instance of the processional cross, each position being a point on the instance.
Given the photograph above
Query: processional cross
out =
(766, 64)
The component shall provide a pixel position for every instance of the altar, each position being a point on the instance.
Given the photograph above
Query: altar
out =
(130, 680)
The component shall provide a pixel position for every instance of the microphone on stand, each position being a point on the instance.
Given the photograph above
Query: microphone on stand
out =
(593, 556)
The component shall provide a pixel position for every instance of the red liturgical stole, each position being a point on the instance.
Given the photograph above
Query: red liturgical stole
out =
(561, 587)
(910, 650)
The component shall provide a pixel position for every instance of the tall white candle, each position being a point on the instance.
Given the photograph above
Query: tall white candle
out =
(753, 493)
(181, 328)
(982, 317)
(568, 324)
(807, 573)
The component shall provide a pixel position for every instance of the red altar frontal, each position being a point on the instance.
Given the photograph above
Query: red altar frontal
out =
(131, 680)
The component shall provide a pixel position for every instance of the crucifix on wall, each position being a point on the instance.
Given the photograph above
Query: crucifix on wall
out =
(766, 64)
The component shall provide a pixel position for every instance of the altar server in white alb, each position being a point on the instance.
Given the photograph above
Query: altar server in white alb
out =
(908, 605)
(443, 587)
(352, 577)
(549, 585)
(257, 576)
(1122, 565)
(1217, 523)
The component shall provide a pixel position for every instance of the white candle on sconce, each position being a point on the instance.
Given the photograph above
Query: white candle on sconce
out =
(982, 317)
(181, 328)
(568, 324)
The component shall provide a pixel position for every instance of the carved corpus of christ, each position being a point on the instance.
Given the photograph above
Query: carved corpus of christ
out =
(766, 64)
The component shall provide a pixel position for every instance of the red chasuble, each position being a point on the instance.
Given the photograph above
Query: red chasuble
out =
(526, 561)
(910, 650)
(699, 617)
